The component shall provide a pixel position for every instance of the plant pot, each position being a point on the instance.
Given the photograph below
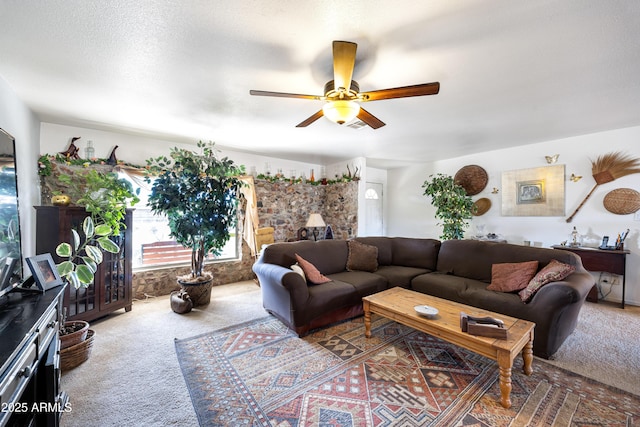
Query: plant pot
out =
(199, 292)
(79, 330)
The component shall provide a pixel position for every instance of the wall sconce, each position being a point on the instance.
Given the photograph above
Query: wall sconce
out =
(315, 221)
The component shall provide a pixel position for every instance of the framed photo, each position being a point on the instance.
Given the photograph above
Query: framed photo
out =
(530, 192)
(44, 271)
(534, 192)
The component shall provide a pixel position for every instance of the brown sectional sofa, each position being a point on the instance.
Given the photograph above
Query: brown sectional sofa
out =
(457, 270)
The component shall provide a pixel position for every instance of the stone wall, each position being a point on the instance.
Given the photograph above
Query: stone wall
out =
(286, 207)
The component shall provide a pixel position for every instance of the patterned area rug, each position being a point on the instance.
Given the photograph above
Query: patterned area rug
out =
(261, 374)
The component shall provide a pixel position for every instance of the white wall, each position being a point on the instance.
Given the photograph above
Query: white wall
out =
(18, 120)
(411, 214)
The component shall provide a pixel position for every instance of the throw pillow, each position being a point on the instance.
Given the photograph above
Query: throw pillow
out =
(362, 257)
(512, 276)
(298, 269)
(552, 272)
(313, 274)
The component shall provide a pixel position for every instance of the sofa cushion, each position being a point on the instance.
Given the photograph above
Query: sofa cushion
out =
(398, 275)
(419, 253)
(512, 276)
(552, 272)
(362, 257)
(363, 282)
(329, 256)
(311, 272)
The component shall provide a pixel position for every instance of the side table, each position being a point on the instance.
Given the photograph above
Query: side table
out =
(614, 262)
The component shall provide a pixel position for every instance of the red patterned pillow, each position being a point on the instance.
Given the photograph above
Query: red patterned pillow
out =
(512, 276)
(552, 272)
(312, 273)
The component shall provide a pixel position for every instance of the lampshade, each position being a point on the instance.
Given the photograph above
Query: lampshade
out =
(315, 220)
(341, 111)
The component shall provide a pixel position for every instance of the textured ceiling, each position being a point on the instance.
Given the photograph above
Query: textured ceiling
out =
(511, 72)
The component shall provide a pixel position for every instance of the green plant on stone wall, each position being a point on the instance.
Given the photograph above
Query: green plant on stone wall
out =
(453, 207)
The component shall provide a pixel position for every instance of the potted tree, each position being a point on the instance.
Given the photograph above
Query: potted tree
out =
(453, 206)
(198, 193)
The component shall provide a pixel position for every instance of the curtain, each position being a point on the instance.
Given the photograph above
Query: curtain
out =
(251, 214)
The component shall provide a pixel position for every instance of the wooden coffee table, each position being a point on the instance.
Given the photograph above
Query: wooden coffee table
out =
(398, 304)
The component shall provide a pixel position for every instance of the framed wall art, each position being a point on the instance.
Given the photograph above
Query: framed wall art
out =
(534, 192)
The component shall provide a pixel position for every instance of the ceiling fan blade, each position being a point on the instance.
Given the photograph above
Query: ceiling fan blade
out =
(344, 59)
(370, 119)
(401, 92)
(285, 95)
(310, 120)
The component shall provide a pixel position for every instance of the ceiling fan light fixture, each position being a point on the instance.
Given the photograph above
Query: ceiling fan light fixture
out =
(341, 112)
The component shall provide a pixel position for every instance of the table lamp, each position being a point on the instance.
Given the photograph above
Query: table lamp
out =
(315, 221)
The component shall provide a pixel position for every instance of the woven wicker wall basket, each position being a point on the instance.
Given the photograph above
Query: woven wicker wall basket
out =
(622, 201)
(472, 178)
(481, 206)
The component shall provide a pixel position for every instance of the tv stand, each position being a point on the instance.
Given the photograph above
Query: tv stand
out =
(30, 362)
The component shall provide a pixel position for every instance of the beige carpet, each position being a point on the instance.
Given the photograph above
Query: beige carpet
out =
(133, 377)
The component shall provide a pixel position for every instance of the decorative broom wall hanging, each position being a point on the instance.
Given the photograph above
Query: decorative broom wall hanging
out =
(607, 168)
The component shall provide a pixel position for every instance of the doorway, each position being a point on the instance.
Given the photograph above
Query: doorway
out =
(374, 225)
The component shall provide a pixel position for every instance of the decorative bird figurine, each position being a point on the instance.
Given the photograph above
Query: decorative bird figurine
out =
(72, 151)
(112, 160)
(552, 159)
(575, 178)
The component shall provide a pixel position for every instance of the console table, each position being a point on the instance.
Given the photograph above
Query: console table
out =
(609, 261)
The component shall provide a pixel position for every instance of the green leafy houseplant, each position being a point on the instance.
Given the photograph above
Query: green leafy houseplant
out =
(453, 206)
(105, 197)
(198, 194)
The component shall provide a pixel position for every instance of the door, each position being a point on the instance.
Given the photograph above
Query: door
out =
(373, 207)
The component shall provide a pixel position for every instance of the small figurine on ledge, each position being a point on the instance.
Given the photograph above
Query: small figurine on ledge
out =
(72, 151)
(112, 157)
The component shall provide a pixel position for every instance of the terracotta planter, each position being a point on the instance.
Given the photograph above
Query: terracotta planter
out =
(200, 292)
(81, 328)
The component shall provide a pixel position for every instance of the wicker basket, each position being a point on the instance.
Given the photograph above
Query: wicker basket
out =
(68, 340)
(622, 201)
(481, 206)
(73, 356)
(472, 178)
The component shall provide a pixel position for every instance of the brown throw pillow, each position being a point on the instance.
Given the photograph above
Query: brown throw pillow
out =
(313, 275)
(552, 272)
(362, 257)
(512, 276)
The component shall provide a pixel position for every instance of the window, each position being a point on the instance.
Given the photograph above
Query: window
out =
(151, 240)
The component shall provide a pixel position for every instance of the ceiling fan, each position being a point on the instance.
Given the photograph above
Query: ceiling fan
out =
(342, 94)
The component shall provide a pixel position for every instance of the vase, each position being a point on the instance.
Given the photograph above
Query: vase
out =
(199, 292)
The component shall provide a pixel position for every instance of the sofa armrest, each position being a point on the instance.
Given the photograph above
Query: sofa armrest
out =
(572, 290)
(272, 276)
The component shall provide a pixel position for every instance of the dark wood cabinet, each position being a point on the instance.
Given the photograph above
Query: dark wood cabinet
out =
(29, 359)
(111, 289)
(610, 261)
